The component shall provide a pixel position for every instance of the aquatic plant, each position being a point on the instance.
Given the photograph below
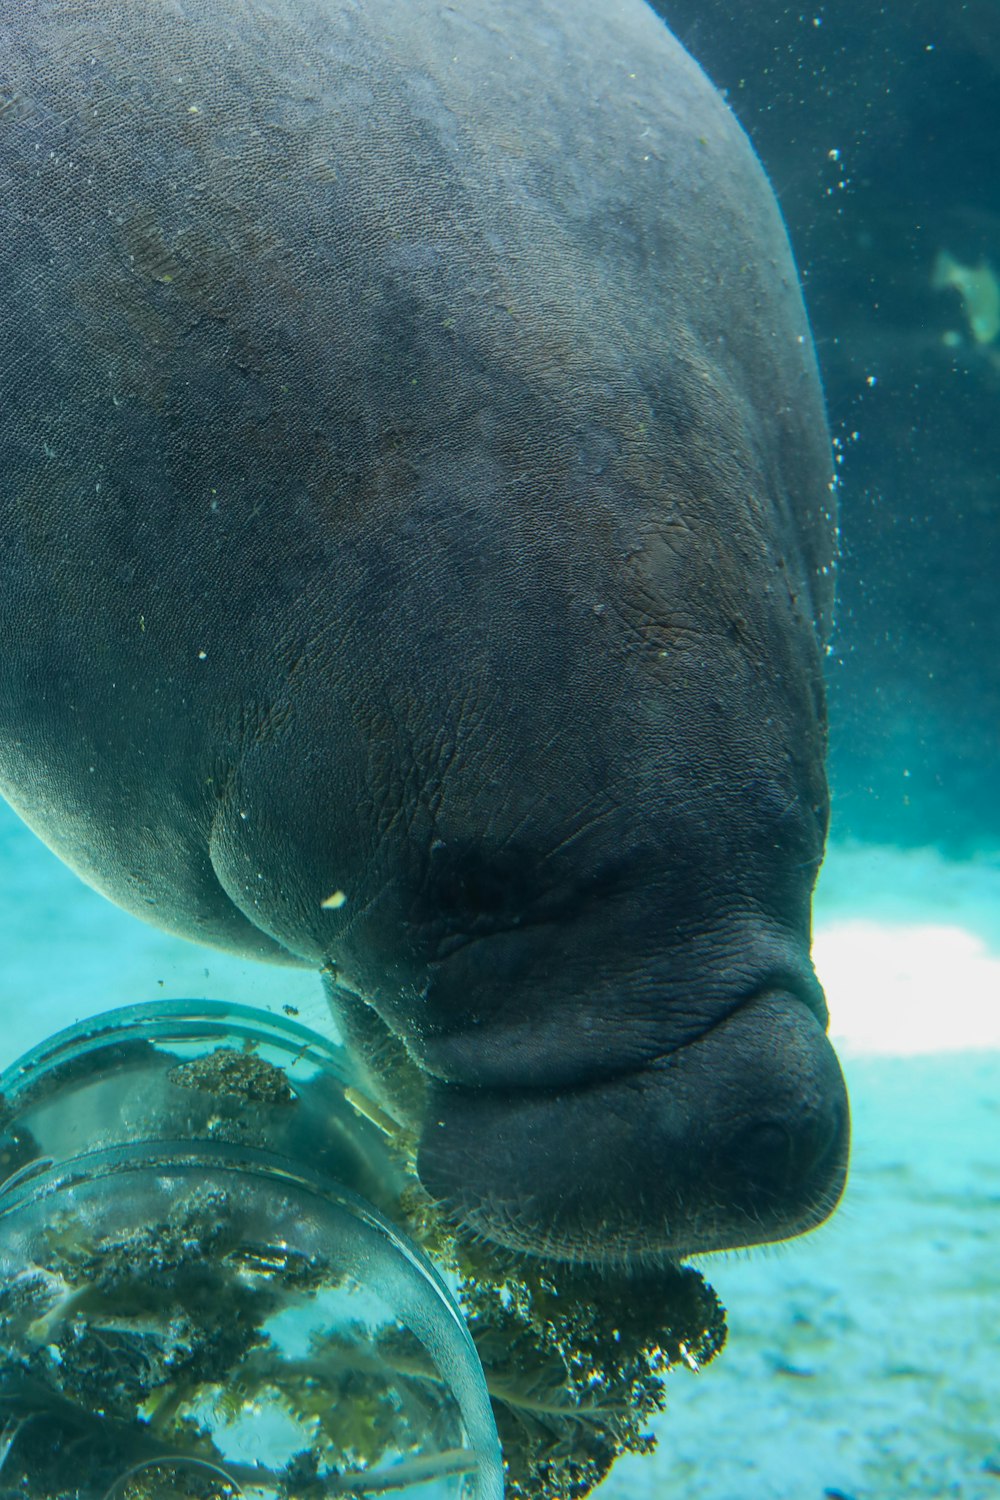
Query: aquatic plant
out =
(155, 1299)
(575, 1356)
(131, 1353)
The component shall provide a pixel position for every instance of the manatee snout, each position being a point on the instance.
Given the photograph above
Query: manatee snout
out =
(737, 1138)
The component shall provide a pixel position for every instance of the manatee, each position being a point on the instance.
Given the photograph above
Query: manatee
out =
(418, 550)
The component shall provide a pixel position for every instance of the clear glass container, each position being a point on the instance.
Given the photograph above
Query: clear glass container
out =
(197, 1298)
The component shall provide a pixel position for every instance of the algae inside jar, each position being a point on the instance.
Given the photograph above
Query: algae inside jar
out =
(194, 1298)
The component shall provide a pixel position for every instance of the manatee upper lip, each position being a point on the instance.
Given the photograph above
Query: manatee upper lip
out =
(562, 1052)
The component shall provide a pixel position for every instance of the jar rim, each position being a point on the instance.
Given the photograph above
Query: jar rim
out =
(183, 1019)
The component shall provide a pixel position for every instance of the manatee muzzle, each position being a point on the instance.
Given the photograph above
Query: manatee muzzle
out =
(737, 1138)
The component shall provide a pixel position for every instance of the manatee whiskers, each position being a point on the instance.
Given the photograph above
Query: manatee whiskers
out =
(610, 1246)
(821, 1206)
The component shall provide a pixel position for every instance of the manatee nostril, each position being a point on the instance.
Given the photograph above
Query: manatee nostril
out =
(775, 1157)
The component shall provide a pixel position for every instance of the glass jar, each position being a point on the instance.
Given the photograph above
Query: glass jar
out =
(198, 1297)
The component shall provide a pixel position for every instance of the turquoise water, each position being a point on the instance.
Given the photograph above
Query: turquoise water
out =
(862, 1359)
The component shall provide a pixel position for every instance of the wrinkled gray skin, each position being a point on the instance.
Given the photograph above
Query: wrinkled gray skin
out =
(415, 486)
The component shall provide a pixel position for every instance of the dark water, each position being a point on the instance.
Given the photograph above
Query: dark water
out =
(880, 128)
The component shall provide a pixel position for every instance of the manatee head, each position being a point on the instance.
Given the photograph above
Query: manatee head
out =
(570, 937)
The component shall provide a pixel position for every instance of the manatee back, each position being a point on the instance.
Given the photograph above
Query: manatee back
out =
(295, 290)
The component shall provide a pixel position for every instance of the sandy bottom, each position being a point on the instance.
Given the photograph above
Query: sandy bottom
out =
(864, 1359)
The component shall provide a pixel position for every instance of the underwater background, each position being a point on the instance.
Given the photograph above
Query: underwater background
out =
(864, 1360)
